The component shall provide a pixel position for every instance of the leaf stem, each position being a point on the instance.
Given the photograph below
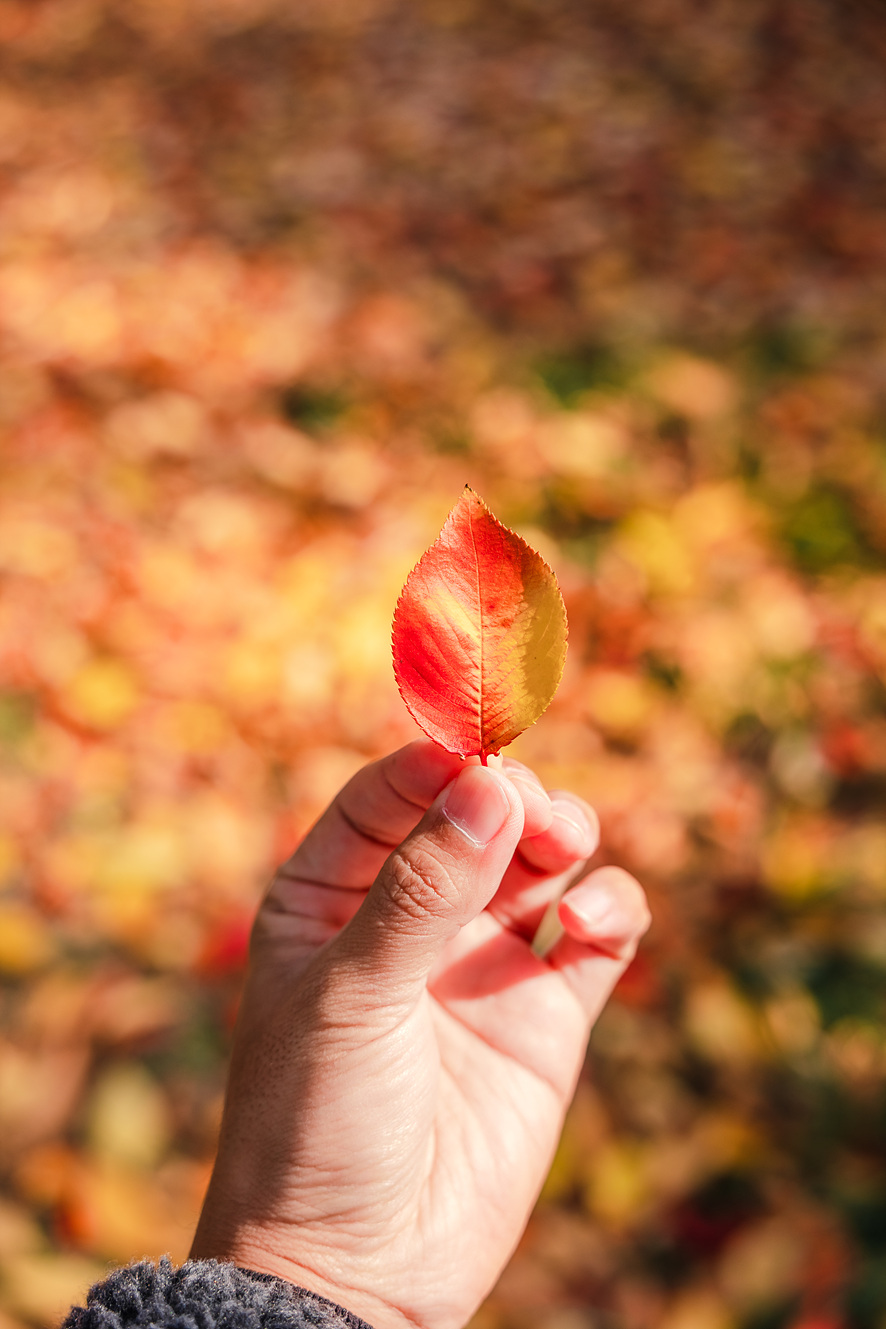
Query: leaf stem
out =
(484, 758)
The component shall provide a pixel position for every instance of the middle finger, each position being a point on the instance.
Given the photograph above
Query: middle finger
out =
(546, 863)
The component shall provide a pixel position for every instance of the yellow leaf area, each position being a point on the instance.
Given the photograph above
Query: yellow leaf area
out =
(479, 634)
(262, 319)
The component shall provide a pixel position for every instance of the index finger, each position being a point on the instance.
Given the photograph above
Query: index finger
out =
(371, 815)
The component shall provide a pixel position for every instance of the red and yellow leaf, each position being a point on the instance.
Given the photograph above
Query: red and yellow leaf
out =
(479, 634)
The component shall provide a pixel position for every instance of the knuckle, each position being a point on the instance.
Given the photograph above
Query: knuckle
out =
(631, 893)
(638, 907)
(625, 950)
(632, 908)
(418, 883)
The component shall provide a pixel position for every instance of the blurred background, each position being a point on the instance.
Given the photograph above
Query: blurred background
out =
(276, 280)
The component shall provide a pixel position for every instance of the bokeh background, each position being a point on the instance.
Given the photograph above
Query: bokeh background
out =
(276, 280)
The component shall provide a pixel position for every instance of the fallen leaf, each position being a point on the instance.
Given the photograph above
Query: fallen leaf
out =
(479, 634)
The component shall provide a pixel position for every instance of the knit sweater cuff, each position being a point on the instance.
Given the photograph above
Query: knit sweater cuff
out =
(204, 1294)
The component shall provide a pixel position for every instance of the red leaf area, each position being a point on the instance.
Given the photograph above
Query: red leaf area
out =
(479, 634)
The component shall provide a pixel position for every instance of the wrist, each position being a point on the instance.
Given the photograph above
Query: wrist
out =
(259, 1254)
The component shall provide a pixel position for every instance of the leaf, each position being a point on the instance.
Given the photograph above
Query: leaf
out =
(479, 634)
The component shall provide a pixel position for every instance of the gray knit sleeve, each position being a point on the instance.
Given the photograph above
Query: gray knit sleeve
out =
(204, 1294)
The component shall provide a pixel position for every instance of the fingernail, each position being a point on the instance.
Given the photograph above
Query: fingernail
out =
(526, 777)
(590, 904)
(515, 770)
(529, 782)
(477, 805)
(579, 824)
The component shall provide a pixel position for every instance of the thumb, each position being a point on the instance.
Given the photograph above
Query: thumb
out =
(442, 875)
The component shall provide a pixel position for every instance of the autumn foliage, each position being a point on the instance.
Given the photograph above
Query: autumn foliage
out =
(479, 634)
(276, 281)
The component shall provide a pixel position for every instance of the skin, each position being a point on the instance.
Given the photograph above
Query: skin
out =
(402, 1060)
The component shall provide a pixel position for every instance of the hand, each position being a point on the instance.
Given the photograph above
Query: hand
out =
(402, 1060)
